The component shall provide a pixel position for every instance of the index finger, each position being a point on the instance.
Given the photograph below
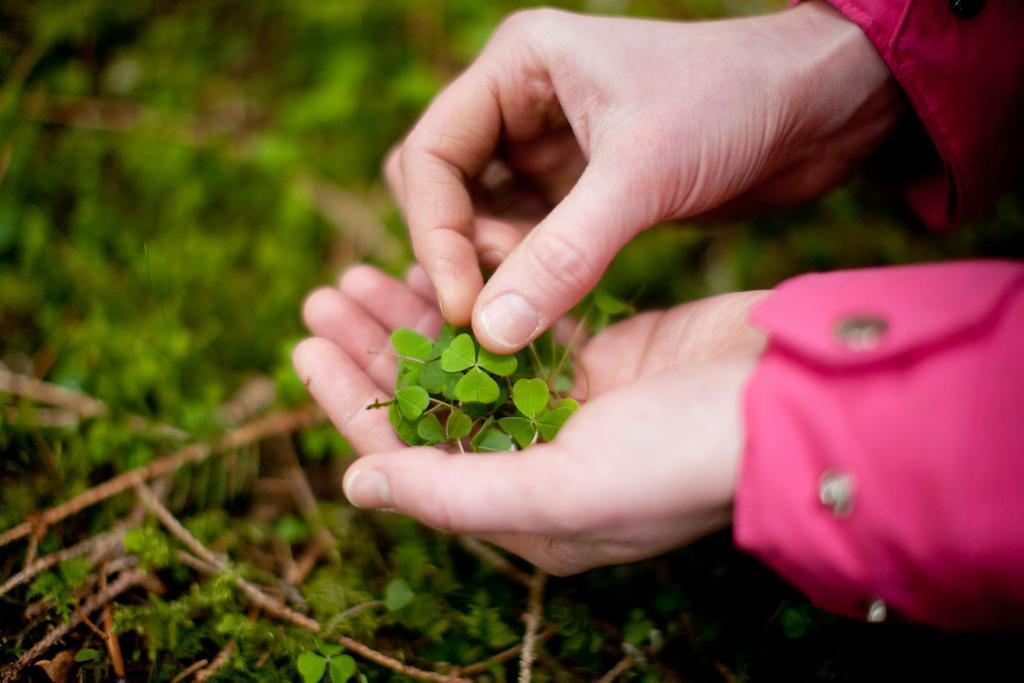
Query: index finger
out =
(506, 92)
(450, 144)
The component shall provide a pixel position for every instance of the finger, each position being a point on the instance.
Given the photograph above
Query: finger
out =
(330, 314)
(559, 261)
(495, 239)
(344, 391)
(452, 142)
(505, 90)
(390, 301)
(418, 281)
(535, 491)
(393, 175)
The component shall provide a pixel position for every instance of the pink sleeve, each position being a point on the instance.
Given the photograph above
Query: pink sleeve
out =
(884, 463)
(961, 65)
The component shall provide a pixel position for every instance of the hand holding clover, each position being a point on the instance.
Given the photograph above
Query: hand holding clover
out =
(646, 464)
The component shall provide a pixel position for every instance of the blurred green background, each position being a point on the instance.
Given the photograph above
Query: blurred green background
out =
(175, 176)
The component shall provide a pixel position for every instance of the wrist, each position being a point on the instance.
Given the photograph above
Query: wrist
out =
(837, 90)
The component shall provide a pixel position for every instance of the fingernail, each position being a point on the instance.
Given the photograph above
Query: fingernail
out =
(367, 489)
(509, 320)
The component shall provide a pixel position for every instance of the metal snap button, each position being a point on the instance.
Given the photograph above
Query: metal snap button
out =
(965, 9)
(861, 332)
(877, 611)
(835, 491)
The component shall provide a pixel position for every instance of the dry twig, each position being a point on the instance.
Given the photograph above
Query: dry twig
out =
(196, 666)
(218, 662)
(492, 557)
(123, 583)
(623, 665)
(113, 643)
(206, 560)
(505, 655)
(533, 616)
(71, 405)
(274, 423)
(96, 546)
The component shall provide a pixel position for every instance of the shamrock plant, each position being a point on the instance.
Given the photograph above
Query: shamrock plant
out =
(451, 391)
(312, 665)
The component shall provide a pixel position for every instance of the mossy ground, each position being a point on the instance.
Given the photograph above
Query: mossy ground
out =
(175, 177)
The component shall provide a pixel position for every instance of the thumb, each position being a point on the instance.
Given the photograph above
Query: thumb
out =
(532, 491)
(559, 261)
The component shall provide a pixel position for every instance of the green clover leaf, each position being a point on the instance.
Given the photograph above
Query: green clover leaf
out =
(530, 396)
(460, 354)
(327, 649)
(397, 594)
(608, 304)
(551, 422)
(520, 429)
(405, 429)
(412, 401)
(408, 374)
(311, 666)
(411, 343)
(444, 339)
(429, 429)
(502, 366)
(342, 668)
(459, 425)
(492, 441)
(476, 386)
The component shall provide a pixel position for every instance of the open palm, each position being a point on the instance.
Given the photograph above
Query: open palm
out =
(647, 464)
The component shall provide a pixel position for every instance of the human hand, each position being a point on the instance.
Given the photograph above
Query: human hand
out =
(569, 134)
(648, 463)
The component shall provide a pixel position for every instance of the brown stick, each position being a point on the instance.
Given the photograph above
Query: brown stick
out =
(196, 666)
(274, 423)
(505, 655)
(207, 561)
(98, 545)
(395, 665)
(36, 389)
(492, 557)
(623, 665)
(76, 405)
(533, 616)
(123, 583)
(113, 643)
(219, 661)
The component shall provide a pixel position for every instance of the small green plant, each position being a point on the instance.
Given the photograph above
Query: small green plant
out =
(452, 392)
(312, 665)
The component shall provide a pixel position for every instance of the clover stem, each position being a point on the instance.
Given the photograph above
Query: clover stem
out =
(441, 403)
(396, 356)
(536, 357)
(572, 342)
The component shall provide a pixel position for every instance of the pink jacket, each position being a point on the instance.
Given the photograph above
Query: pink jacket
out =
(884, 465)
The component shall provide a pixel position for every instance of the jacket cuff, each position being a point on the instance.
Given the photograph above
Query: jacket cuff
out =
(964, 77)
(883, 463)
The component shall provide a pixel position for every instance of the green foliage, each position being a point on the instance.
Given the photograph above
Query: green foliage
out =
(176, 177)
(398, 594)
(59, 587)
(313, 665)
(151, 546)
(477, 412)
